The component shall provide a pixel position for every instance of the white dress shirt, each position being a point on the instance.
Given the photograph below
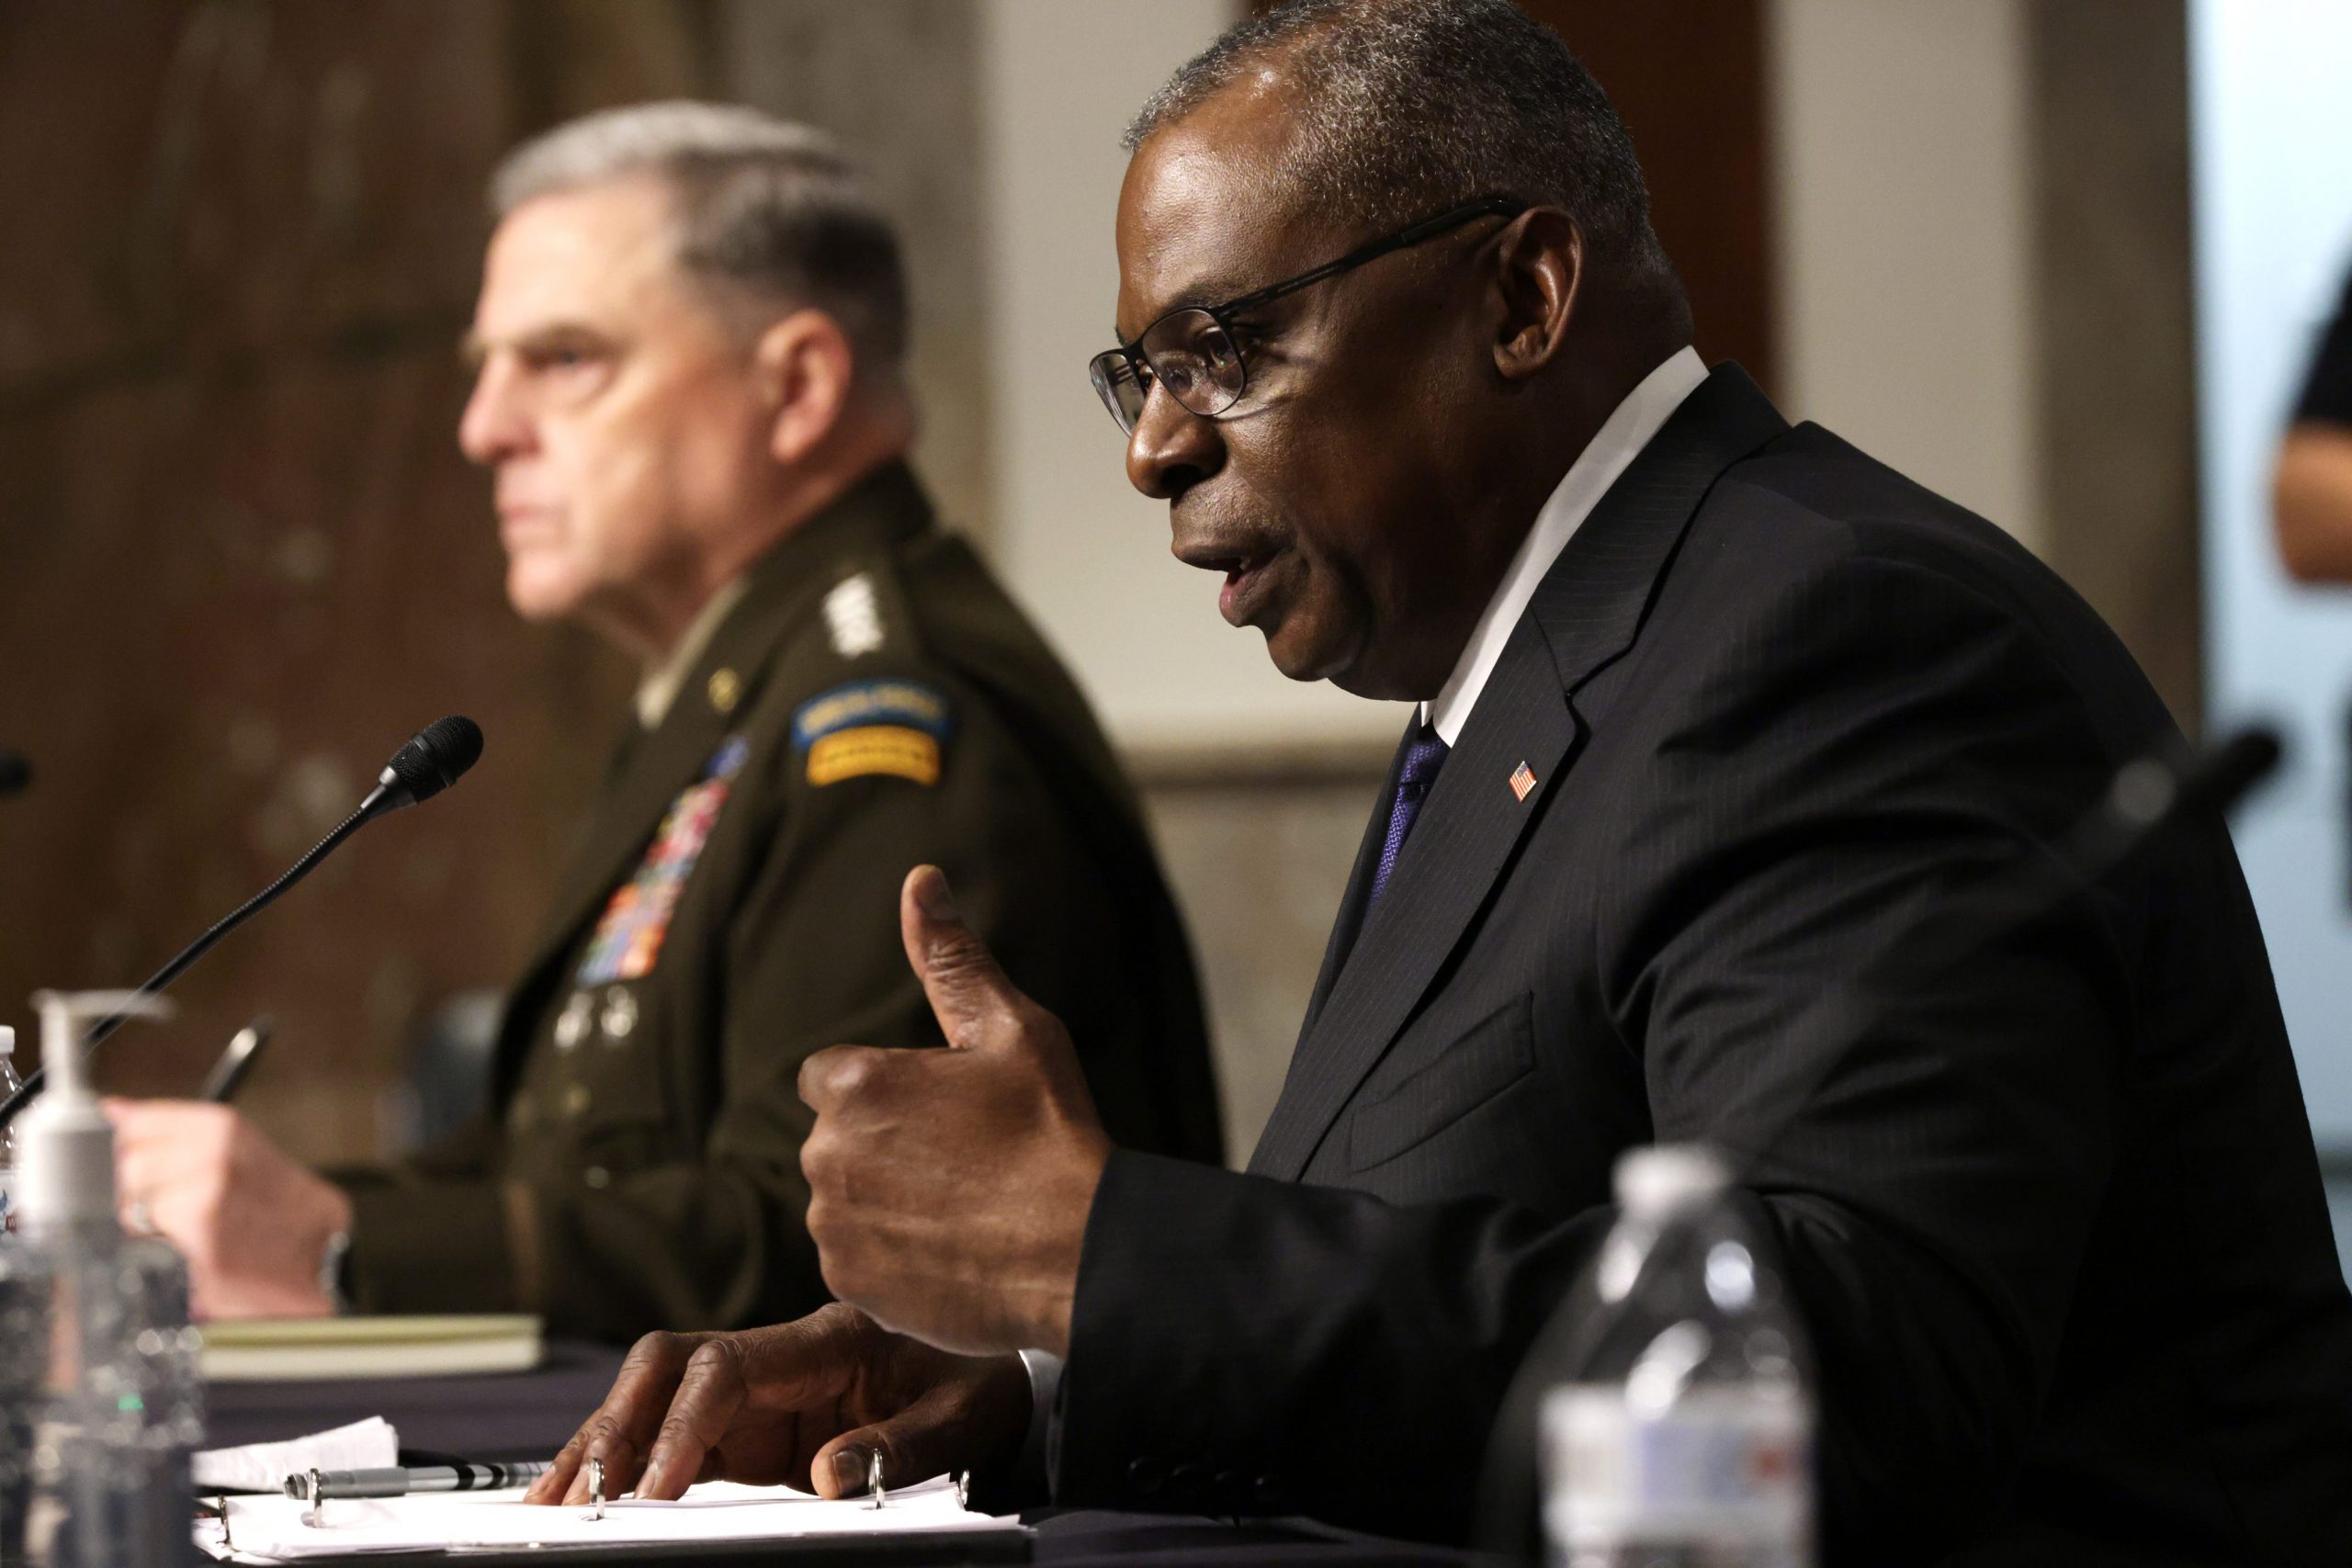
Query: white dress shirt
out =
(1645, 409)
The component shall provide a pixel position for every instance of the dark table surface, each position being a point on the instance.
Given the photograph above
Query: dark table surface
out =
(529, 1415)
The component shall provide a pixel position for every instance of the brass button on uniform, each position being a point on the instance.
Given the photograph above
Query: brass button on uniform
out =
(572, 1023)
(726, 690)
(576, 1100)
(620, 1014)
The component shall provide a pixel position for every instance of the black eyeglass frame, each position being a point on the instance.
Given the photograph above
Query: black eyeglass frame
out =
(1136, 363)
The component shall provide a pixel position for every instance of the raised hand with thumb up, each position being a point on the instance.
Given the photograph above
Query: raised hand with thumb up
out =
(949, 1189)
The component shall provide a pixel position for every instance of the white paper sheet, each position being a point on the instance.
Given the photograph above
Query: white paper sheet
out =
(270, 1529)
(371, 1444)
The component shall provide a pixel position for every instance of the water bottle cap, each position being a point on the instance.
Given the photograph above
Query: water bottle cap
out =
(1664, 1177)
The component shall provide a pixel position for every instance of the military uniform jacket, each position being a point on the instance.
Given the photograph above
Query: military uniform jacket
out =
(873, 701)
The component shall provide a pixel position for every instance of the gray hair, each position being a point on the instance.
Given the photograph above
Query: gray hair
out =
(1406, 107)
(770, 212)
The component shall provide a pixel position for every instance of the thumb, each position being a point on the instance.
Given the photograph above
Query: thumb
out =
(921, 1441)
(968, 990)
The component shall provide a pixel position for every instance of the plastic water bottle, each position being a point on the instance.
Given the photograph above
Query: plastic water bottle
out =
(9, 1083)
(119, 1408)
(24, 1287)
(1683, 1437)
(26, 1290)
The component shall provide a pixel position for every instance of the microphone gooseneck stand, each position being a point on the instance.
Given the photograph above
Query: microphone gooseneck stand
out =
(433, 759)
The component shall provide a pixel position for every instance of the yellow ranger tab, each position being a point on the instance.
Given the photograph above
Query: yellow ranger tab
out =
(875, 749)
(893, 726)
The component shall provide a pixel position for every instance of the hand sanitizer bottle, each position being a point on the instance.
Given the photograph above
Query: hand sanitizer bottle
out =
(123, 1408)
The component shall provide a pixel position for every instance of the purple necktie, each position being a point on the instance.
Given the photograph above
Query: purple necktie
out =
(1423, 759)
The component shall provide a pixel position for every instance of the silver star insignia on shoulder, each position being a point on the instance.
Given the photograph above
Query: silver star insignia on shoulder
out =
(852, 617)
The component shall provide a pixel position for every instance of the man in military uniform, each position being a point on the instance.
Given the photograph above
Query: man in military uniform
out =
(689, 336)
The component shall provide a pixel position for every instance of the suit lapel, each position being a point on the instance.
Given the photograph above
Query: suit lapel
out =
(1351, 902)
(1586, 613)
(1459, 844)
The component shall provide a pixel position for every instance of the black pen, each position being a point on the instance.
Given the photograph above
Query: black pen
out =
(398, 1482)
(236, 1061)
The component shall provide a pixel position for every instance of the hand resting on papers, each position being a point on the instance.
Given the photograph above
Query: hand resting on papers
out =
(804, 1404)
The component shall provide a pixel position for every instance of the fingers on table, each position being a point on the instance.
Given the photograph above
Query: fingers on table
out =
(659, 1430)
(711, 1393)
(622, 1429)
(766, 1392)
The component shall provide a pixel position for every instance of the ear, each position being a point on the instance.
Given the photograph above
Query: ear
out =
(805, 364)
(1538, 272)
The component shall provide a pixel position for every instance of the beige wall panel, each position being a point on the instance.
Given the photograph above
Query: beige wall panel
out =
(2117, 362)
(1904, 218)
(897, 82)
(1080, 548)
(1259, 864)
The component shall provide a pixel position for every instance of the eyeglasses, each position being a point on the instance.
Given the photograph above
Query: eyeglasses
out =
(1192, 352)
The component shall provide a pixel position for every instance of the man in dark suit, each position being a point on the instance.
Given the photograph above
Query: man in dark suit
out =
(690, 336)
(1720, 718)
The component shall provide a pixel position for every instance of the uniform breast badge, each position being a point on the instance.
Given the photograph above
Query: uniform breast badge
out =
(628, 937)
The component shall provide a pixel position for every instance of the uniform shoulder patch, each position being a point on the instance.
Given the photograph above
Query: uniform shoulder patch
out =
(888, 727)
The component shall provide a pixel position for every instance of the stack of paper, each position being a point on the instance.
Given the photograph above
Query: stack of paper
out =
(372, 1444)
(271, 1530)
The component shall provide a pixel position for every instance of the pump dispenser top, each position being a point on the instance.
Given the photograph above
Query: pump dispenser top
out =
(65, 1147)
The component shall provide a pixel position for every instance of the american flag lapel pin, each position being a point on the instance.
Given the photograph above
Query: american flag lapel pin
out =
(1522, 779)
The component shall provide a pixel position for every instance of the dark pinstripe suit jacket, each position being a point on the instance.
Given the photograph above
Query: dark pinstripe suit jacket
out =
(2051, 1212)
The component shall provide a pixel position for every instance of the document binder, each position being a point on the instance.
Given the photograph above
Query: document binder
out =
(713, 1522)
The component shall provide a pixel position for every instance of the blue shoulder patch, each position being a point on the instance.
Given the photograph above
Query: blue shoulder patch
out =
(909, 705)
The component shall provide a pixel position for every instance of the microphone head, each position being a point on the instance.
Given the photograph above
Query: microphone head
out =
(434, 758)
(16, 772)
(2232, 769)
(2150, 795)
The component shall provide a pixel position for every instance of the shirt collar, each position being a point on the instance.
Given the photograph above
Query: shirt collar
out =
(1621, 438)
(659, 687)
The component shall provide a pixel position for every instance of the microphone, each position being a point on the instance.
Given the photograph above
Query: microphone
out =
(2145, 800)
(16, 772)
(433, 759)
